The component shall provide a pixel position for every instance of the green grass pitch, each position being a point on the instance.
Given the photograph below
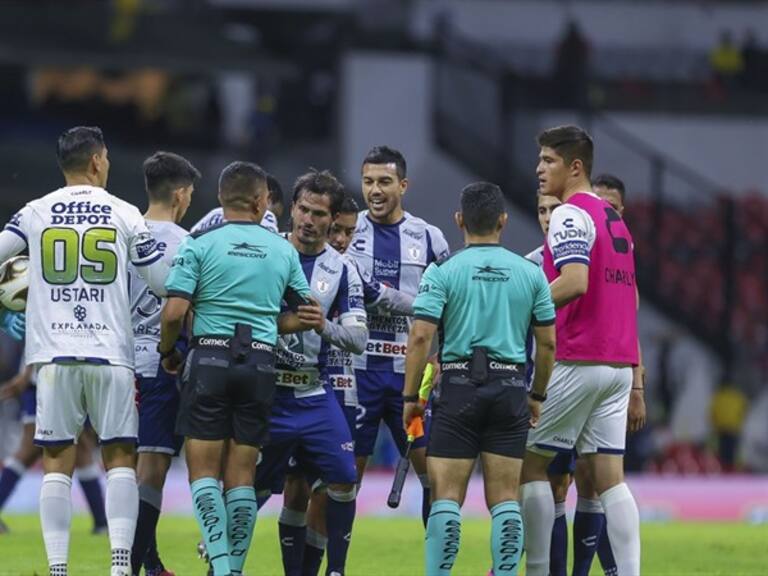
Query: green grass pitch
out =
(383, 547)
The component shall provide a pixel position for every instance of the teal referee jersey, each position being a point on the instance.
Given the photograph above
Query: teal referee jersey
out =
(484, 296)
(237, 272)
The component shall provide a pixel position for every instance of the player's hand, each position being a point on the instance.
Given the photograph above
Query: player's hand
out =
(636, 413)
(172, 363)
(13, 323)
(312, 316)
(411, 410)
(535, 408)
(14, 387)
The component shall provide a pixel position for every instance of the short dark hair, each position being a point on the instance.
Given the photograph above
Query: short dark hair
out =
(238, 183)
(612, 182)
(481, 205)
(77, 146)
(349, 205)
(324, 183)
(387, 155)
(570, 142)
(165, 172)
(275, 190)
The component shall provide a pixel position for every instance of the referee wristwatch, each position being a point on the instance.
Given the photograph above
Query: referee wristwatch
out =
(167, 354)
(538, 397)
(410, 397)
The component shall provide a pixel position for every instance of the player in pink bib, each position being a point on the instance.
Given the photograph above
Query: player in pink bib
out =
(589, 261)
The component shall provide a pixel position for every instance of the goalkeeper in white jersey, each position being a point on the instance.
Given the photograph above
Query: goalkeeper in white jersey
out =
(80, 240)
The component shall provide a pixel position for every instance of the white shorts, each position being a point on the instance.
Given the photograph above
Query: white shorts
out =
(585, 409)
(68, 393)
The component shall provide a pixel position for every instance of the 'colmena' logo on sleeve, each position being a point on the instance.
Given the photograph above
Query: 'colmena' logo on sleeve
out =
(246, 250)
(490, 274)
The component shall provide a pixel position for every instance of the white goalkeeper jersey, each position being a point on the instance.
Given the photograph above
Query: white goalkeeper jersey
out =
(80, 241)
(146, 306)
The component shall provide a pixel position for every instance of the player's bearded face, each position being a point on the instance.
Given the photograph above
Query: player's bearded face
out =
(551, 172)
(342, 230)
(383, 190)
(311, 215)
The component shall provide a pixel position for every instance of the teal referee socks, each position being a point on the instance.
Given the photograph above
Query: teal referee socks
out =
(443, 537)
(211, 516)
(506, 538)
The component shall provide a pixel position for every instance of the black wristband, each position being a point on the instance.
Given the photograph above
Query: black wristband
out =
(411, 398)
(164, 355)
(640, 389)
(538, 397)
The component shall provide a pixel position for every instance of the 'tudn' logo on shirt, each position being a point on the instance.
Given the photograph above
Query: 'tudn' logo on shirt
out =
(490, 274)
(245, 250)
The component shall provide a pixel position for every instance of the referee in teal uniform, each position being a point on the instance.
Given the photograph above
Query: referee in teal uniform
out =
(485, 299)
(236, 276)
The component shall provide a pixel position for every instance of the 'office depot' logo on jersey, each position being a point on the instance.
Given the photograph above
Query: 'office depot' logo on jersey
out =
(384, 348)
(80, 213)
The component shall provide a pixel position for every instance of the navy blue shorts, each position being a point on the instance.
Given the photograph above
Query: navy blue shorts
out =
(563, 463)
(381, 398)
(315, 429)
(158, 409)
(29, 405)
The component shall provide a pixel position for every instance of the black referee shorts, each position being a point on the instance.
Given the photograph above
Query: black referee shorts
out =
(223, 399)
(469, 418)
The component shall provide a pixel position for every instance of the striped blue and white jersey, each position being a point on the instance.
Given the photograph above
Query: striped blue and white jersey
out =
(146, 306)
(216, 216)
(395, 255)
(302, 358)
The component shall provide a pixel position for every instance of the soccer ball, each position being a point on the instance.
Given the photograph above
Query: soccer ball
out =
(14, 283)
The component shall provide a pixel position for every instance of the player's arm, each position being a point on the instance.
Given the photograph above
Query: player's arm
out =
(572, 283)
(16, 385)
(147, 257)
(392, 301)
(636, 412)
(13, 238)
(570, 238)
(351, 332)
(181, 287)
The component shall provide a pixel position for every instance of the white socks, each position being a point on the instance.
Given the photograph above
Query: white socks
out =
(538, 507)
(56, 518)
(122, 507)
(623, 525)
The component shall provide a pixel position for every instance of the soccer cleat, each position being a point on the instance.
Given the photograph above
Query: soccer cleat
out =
(158, 572)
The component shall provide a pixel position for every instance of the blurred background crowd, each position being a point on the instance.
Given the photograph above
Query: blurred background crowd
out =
(677, 104)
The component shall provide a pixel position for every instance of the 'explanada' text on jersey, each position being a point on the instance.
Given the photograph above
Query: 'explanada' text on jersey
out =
(146, 306)
(484, 296)
(216, 217)
(395, 255)
(601, 325)
(302, 357)
(80, 241)
(236, 272)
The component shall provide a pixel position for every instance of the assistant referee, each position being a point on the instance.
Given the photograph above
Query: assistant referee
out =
(235, 275)
(485, 298)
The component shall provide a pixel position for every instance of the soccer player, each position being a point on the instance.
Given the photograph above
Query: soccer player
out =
(307, 420)
(169, 181)
(228, 381)
(394, 248)
(80, 240)
(485, 298)
(560, 470)
(268, 221)
(589, 533)
(589, 262)
(87, 470)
